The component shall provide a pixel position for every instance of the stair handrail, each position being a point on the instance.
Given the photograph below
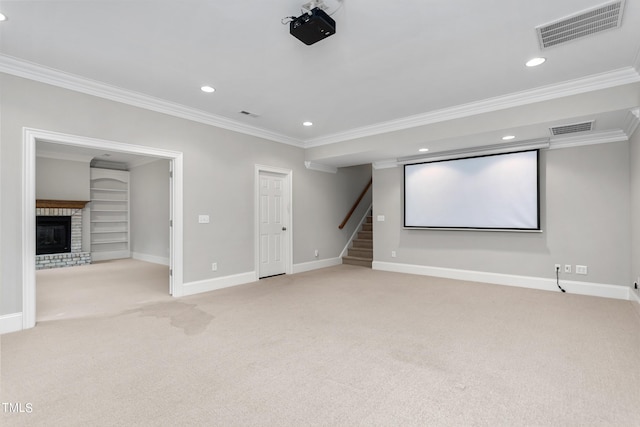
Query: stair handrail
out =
(355, 205)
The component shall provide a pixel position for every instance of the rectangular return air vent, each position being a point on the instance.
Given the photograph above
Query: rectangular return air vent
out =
(590, 21)
(573, 128)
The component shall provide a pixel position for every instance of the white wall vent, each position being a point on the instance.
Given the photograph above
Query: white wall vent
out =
(572, 128)
(582, 24)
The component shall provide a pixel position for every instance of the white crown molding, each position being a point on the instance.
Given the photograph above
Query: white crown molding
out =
(572, 87)
(385, 164)
(320, 167)
(39, 73)
(591, 138)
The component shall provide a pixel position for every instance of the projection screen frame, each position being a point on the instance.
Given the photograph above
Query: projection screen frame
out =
(538, 228)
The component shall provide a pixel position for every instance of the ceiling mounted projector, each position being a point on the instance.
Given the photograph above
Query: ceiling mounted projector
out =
(312, 26)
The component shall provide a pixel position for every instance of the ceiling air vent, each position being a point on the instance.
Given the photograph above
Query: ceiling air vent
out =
(582, 24)
(247, 113)
(573, 128)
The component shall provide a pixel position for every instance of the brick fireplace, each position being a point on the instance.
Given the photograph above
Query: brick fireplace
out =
(53, 235)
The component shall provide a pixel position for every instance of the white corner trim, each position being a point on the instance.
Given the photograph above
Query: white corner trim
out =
(588, 139)
(150, 258)
(207, 285)
(385, 164)
(574, 287)
(631, 121)
(315, 265)
(39, 73)
(10, 323)
(545, 93)
(320, 167)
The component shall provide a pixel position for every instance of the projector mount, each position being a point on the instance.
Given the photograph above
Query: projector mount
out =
(314, 24)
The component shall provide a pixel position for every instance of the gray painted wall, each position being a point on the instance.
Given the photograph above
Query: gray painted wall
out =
(218, 180)
(585, 214)
(149, 214)
(58, 179)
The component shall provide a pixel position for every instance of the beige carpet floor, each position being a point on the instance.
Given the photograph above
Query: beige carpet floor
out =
(343, 346)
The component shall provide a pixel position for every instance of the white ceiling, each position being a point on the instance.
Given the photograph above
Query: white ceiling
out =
(407, 65)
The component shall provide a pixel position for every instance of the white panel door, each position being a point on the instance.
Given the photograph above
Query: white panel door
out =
(273, 221)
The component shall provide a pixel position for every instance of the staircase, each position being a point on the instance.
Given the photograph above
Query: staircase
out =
(361, 250)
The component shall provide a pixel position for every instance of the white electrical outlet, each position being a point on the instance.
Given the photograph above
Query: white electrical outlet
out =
(316, 253)
(567, 268)
(214, 266)
(581, 269)
(393, 254)
(557, 267)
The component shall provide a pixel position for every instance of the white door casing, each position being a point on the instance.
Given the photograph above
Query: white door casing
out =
(273, 221)
(29, 138)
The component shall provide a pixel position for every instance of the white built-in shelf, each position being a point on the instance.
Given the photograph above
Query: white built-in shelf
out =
(109, 214)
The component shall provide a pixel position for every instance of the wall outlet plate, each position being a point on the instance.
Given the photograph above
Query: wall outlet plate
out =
(581, 269)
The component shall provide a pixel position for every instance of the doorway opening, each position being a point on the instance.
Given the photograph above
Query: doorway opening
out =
(33, 136)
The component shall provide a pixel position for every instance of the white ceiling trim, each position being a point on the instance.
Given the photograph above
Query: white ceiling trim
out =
(320, 167)
(76, 83)
(572, 87)
(385, 164)
(588, 139)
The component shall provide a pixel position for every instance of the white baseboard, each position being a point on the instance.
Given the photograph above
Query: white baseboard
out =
(108, 255)
(150, 258)
(10, 323)
(192, 288)
(581, 288)
(634, 295)
(314, 265)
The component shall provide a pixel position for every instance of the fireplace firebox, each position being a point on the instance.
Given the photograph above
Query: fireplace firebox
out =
(53, 234)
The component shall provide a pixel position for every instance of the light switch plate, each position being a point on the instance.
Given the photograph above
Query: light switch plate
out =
(203, 219)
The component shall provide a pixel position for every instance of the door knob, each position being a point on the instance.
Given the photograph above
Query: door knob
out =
(284, 228)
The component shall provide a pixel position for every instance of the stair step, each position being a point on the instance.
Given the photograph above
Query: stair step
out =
(367, 227)
(360, 243)
(361, 253)
(369, 219)
(365, 235)
(353, 260)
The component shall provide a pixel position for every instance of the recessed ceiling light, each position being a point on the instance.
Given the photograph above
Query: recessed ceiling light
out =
(207, 89)
(423, 150)
(3, 17)
(307, 124)
(508, 137)
(534, 62)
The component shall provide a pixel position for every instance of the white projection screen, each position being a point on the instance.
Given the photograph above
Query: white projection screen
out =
(492, 192)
